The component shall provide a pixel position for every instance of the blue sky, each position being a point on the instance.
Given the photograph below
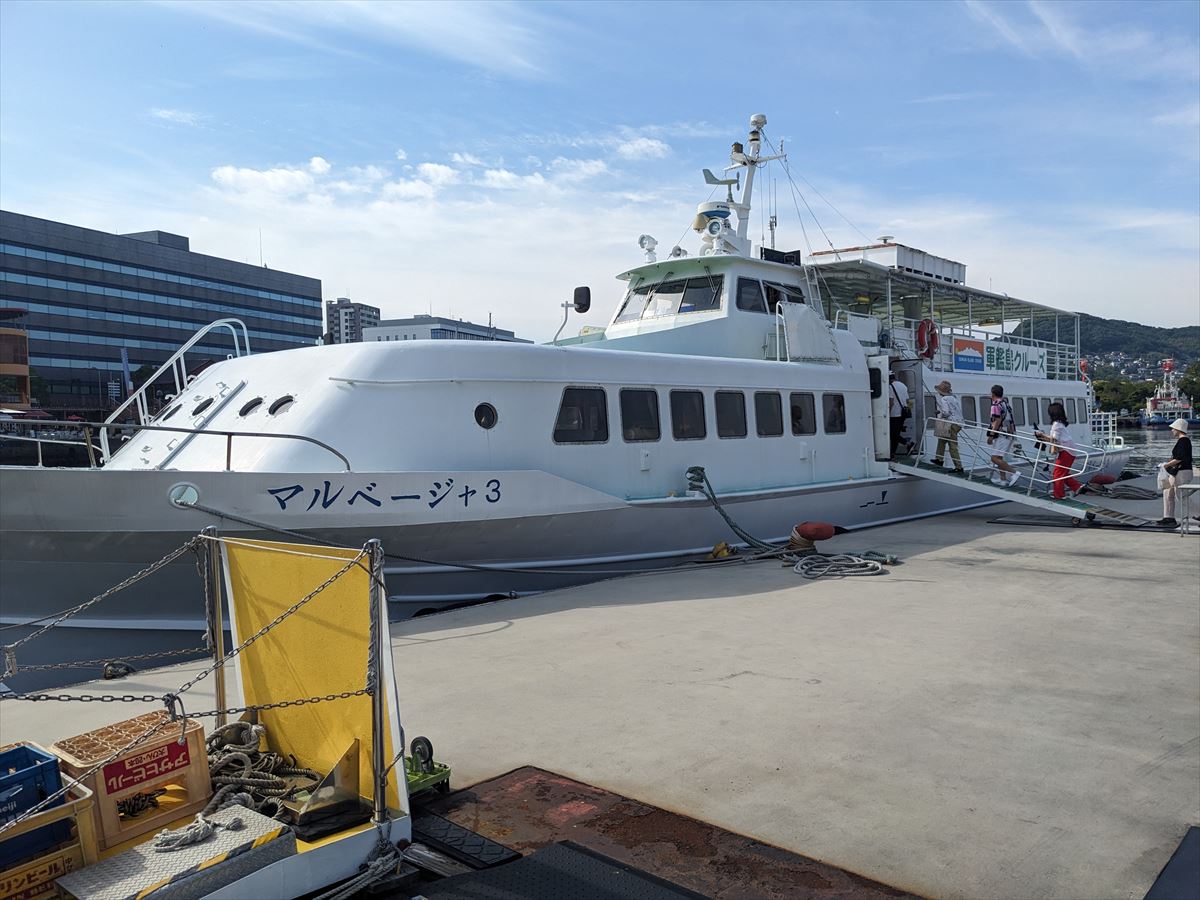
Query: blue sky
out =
(468, 159)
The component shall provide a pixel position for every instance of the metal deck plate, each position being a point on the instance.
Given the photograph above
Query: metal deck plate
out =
(191, 872)
(459, 843)
(563, 871)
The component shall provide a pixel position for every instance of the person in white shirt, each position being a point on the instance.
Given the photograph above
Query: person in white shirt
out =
(948, 425)
(1061, 441)
(897, 408)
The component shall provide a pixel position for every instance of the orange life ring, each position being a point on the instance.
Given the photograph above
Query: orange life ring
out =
(928, 338)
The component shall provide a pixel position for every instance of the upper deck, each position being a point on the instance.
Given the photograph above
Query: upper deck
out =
(883, 292)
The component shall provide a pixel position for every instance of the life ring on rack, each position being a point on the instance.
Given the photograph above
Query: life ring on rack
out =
(928, 338)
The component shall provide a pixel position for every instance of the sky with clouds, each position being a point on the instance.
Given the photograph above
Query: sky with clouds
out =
(470, 159)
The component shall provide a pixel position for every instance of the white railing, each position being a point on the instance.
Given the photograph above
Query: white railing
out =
(177, 367)
(976, 455)
(1104, 430)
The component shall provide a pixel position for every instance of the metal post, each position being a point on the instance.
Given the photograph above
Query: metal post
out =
(228, 450)
(378, 606)
(87, 437)
(216, 623)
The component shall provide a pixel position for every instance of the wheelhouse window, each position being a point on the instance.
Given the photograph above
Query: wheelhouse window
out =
(804, 414)
(668, 298)
(687, 415)
(750, 295)
(768, 414)
(639, 415)
(834, 407)
(731, 414)
(781, 293)
(582, 417)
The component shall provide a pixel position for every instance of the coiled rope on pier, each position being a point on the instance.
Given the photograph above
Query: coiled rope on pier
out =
(799, 551)
(244, 776)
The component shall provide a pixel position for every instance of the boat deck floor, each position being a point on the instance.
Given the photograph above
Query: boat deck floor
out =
(1010, 712)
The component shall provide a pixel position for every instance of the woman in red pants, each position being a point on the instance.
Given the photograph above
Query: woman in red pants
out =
(1060, 439)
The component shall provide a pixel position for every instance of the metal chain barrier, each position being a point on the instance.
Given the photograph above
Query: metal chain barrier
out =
(98, 663)
(10, 660)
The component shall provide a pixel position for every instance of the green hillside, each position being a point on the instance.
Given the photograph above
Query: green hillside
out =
(1098, 335)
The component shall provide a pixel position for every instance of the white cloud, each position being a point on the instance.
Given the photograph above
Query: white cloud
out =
(409, 189)
(503, 179)
(401, 155)
(1187, 116)
(506, 38)
(643, 148)
(281, 180)
(176, 116)
(319, 166)
(437, 174)
(466, 159)
(572, 170)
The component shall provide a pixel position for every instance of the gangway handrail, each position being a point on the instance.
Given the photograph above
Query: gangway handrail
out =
(1087, 458)
(102, 427)
(178, 369)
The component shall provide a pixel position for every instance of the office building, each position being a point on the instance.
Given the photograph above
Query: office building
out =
(436, 328)
(14, 362)
(346, 320)
(90, 295)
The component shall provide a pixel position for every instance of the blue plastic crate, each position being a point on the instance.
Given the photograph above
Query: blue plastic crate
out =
(28, 775)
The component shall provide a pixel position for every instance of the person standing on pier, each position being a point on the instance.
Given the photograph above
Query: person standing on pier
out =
(949, 423)
(1000, 437)
(1061, 441)
(1179, 470)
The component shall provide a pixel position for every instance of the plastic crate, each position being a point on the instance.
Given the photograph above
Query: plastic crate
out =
(35, 878)
(28, 775)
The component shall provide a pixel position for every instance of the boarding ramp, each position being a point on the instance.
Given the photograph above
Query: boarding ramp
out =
(1034, 462)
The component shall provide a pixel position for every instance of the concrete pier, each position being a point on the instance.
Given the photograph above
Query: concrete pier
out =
(1012, 712)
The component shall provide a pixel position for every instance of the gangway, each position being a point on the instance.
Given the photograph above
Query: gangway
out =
(1036, 481)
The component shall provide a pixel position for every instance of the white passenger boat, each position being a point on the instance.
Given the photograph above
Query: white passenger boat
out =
(493, 469)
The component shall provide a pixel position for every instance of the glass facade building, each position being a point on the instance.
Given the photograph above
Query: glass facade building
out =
(89, 295)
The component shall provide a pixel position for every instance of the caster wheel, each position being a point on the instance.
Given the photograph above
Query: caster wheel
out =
(1076, 521)
(421, 750)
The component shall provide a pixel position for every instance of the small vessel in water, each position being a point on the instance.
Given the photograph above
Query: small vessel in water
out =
(492, 470)
(1168, 402)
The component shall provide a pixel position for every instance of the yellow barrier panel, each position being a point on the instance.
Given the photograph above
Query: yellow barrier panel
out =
(319, 650)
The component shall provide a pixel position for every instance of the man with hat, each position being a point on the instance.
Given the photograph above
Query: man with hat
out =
(1179, 470)
(949, 423)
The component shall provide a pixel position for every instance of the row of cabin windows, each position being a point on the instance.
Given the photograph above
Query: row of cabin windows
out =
(1027, 410)
(685, 295)
(583, 415)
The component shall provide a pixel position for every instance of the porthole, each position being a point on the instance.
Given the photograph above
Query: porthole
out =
(485, 415)
(202, 406)
(170, 412)
(250, 406)
(281, 404)
(183, 494)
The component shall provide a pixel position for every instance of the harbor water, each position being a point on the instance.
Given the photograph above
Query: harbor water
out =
(1148, 448)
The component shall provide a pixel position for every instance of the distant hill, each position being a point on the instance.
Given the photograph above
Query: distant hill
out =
(1098, 335)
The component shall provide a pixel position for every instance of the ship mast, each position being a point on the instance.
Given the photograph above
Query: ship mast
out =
(712, 218)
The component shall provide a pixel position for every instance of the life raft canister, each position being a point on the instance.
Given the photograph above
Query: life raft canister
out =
(928, 338)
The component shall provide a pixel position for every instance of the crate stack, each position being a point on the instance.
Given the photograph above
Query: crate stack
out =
(164, 779)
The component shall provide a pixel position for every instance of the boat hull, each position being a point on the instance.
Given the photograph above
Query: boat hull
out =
(49, 561)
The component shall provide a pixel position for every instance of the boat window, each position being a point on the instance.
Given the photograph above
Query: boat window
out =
(667, 298)
(876, 378)
(731, 414)
(582, 417)
(804, 413)
(687, 415)
(281, 404)
(1081, 413)
(639, 415)
(768, 414)
(485, 415)
(968, 405)
(750, 295)
(1018, 406)
(781, 293)
(250, 406)
(930, 411)
(170, 412)
(835, 413)
(1031, 405)
(985, 410)
(1046, 401)
(202, 406)
(702, 294)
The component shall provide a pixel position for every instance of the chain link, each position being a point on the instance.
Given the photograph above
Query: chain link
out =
(97, 663)
(281, 704)
(85, 698)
